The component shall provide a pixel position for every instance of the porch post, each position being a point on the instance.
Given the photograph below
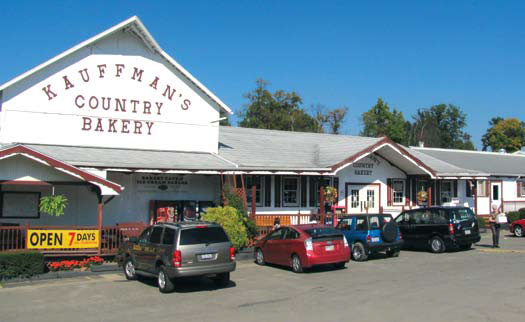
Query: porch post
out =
(321, 204)
(99, 222)
(429, 195)
(475, 189)
(254, 201)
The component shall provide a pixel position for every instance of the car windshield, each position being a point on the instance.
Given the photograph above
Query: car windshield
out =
(207, 235)
(463, 214)
(322, 232)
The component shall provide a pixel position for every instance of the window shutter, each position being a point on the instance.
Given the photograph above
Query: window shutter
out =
(518, 186)
(303, 191)
(277, 191)
(336, 185)
(238, 182)
(487, 192)
(437, 200)
(405, 192)
(389, 192)
(312, 193)
(413, 190)
(267, 191)
(455, 183)
(468, 189)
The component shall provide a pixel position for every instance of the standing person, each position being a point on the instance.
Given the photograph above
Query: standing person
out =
(276, 223)
(494, 226)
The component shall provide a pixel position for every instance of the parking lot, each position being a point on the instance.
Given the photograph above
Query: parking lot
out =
(482, 284)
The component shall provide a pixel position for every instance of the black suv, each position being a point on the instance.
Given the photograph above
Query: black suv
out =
(439, 228)
(171, 250)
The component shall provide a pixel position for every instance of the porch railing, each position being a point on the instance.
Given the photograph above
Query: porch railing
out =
(265, 223)
(513, 205)
(13, 238)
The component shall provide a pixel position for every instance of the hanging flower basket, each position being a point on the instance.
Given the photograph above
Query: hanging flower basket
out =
(53, 205)
(330, 194)
(422, 196)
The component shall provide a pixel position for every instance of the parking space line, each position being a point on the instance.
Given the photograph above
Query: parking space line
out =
(493, 250)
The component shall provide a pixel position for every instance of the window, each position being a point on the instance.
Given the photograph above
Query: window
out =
(209, 235)
(168, 237)
(155, 235)
(290, 191)
(361, 223)
(344, 223)
(371, 198)
(464, 214)
(354, 198)
(398, 191)
(439, 217)
(469, 187)
(291, 234)
(20, 204)
(482, 188)
(276, 234)
(446, 191)
(256, 181)
(144, 237)
(521, 188)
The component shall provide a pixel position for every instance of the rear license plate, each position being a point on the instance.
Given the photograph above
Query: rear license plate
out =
(206, 256)
(375, 239)
(329, 247)
(467, 231)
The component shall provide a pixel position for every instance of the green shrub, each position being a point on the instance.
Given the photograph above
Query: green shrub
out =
(482, 222)
(522, 213)
(235, 201)
(233, 223)
(21, 264)
(512, 216)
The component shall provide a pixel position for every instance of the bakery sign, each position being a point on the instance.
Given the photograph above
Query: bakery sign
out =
(161, 182)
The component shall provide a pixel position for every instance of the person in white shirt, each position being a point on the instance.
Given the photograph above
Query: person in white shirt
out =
(494, 226)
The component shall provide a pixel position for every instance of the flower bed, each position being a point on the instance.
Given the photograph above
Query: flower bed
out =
(68, 265)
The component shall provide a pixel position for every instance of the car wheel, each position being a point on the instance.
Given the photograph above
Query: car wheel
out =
(518, 231)
(222, 279)
(297, 267)
(165, 283)
(466, 246)
(392, 253)
(259, 257)
(359, 253)
(437, 245)
(129, 270)
(340, 265)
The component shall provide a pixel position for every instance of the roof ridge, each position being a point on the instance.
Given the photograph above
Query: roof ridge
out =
(417, 148)
(302, 133)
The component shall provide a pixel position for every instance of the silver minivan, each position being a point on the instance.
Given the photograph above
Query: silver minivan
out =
(170, 250)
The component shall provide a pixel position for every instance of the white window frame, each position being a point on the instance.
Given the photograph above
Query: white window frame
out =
(259, 190)
(297, 192)
(403, 192)
(483, 185)
(521, 191)
(323, 182)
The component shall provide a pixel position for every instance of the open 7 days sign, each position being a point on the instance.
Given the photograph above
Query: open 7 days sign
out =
(53, 239)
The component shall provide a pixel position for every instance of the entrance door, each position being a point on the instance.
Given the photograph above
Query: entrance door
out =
(495, 193)
(363, 198)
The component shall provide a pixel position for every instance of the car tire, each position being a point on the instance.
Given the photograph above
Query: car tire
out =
(437, 245)
(340, 265)
(222, 279)
(165, 283)
(392, 253)
(465, 246)
(129, 270)
(359, 252)
(259, 257)
(518, 231)
(297, 267)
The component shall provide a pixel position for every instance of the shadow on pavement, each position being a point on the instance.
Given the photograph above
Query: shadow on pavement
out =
(315, 269)
(189, 284)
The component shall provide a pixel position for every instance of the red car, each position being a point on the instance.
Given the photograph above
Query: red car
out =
(303, 246)
(517, 227)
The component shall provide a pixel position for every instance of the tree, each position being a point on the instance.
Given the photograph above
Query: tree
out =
(441, 126)
(278, 111)
(380, 121)
(330, 121)
(226, 121)
(508, 134)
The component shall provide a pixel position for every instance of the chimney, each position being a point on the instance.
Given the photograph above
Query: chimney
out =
(421, 144)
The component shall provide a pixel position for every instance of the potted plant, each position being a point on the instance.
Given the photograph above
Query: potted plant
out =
(53, 205)
(422, 197)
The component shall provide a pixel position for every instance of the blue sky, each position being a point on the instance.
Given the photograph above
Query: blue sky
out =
(413, 54)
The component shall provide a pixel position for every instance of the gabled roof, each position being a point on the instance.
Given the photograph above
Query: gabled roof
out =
(107, 187)
(492, 163)
(135, 26)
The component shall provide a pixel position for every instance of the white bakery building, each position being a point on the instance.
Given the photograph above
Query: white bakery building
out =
(121, 129)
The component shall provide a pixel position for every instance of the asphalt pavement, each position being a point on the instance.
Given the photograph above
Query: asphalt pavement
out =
(482, 284)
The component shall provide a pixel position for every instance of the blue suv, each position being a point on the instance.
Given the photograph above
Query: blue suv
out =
(371, 233)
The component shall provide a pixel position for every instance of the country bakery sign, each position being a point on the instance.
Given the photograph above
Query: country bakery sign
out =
(118, 101)
(121, 105)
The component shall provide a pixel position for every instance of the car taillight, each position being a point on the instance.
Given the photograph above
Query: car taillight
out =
(308, 244)
(368, 238)
(451, 229)
(177, 258)
(400, 236)
(232, 254)
(202, 226)
(345, 241)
